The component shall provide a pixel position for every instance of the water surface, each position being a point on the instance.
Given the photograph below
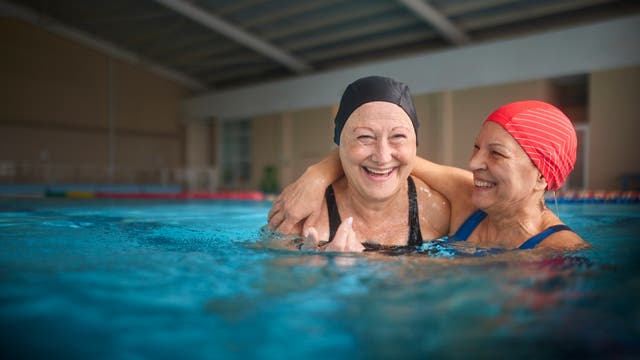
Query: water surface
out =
(173, 279)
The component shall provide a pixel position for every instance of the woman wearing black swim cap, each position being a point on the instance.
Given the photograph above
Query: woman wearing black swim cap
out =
(377, 203)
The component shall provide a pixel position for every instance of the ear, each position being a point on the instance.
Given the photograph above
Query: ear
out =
(541, 182)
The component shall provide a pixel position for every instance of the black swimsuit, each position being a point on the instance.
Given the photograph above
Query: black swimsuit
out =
(415, 236)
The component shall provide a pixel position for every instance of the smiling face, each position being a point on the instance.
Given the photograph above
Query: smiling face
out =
(377, 150)
(504, 176)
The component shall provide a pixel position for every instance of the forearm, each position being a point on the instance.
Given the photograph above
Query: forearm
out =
(326, 171)
(447, 180)
(301, 200)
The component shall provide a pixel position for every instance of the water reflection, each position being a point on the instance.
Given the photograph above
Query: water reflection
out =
(507, 302)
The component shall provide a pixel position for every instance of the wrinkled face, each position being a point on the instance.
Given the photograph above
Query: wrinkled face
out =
(504, 176)
(377, 149)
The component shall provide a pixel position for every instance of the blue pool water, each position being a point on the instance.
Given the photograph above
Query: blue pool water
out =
(115, 279)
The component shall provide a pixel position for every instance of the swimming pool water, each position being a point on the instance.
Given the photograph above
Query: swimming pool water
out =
(107, 279)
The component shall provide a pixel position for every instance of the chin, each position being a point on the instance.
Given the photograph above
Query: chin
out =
(383, 192)
(479, 201)
(380, 195)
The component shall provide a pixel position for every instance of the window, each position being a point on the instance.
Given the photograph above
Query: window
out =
(235, 153)
(578, 178)
(572, 97)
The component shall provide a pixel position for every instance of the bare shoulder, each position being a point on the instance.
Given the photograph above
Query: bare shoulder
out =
(564, 240)
(434, 209)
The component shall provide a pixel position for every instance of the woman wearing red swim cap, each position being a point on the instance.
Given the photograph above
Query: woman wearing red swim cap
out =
(522, 150)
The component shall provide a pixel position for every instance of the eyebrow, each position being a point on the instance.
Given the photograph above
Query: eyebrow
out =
(392, 129)
(362, 128)
(493, 144)
(502, 146)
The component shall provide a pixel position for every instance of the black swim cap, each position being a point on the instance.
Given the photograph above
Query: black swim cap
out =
(374, 88)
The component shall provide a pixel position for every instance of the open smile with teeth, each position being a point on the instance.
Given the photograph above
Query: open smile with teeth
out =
(378, 172)
(483, 184)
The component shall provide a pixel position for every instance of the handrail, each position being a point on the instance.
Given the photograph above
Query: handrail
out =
(188, 178)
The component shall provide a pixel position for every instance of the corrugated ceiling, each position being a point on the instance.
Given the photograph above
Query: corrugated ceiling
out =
(228, 43)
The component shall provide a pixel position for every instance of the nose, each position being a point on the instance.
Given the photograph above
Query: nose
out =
(477, 161)
(383, 153)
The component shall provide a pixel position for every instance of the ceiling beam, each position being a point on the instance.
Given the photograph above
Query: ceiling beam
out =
(237, 34)
(436, 19)
(41, 21)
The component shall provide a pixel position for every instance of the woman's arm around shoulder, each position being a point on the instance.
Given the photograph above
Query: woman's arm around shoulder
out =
(434, 211)
(298, 206)
(453, 183)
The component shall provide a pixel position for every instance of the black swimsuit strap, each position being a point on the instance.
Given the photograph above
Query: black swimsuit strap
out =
(334, 215)
(415, 235)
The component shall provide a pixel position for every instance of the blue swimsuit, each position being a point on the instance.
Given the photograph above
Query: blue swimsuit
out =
(476, 218)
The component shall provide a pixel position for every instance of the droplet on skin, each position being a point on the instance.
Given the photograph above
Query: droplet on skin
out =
(426, 190)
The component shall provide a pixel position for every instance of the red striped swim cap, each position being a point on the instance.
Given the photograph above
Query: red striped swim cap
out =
(545, 133)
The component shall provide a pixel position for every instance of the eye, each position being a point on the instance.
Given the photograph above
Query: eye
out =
(497, 154)
(365, 138)
(398, 137)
